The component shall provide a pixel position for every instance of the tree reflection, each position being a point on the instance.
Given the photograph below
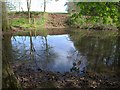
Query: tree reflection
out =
(32, 49)
(48, 53)
(102, 52)
(117, 56)
(36, 49)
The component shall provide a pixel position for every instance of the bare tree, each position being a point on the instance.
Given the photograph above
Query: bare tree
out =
(28, 7)
(44, 6)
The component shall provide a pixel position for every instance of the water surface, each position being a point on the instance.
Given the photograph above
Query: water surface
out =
(53, 52)
(89, 51)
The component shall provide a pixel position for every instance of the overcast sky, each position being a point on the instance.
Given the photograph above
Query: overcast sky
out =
(37, 5)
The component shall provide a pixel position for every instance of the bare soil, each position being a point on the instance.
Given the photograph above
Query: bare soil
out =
(57, 21)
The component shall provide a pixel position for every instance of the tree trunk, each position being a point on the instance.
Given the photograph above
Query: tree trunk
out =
(28, 7)
(19, 6)
(8, 77)
(29, 15)
(5, 23)
(44, 6)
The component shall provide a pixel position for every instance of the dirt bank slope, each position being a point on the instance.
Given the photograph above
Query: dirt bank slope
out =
(57, 21)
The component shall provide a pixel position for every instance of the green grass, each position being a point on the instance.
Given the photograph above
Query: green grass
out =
(23, 22)
(18, 21)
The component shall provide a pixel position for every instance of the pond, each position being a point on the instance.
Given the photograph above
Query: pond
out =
(78, 51)
(53, 52)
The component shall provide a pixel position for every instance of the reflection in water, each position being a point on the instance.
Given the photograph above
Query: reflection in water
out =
(79, 65)
(102, 52)
(68, 52)
(51, 52)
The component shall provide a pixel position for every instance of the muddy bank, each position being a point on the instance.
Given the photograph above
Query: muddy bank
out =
(37, 78)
